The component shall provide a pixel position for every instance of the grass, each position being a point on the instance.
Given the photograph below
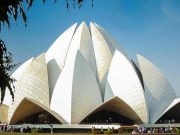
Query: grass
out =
(8, 133)
(13, 133)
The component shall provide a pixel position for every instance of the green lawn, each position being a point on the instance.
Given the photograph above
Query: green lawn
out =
(8, 133)
(1, 133)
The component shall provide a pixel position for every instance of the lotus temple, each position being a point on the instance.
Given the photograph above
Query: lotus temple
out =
(86, 77)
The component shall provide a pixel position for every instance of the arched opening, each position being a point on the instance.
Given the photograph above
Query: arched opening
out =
(112, 111)
(40, 118)
(107, 117)
(171, 116)
(33, 112)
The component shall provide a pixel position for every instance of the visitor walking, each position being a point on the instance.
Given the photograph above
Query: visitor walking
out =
(51, 128)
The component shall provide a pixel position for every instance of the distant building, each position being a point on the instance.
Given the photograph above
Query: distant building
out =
(86, 77)
(3, 113)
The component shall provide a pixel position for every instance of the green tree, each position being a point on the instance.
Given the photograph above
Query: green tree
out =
(5, 66)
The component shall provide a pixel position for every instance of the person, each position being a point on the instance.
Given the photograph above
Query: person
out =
(143, 129)
(102, 130)
(5, 128)
(12, 129)
(92, 130)
(51, 129)
(21, 129)
(28, 129)
(134, 131)
(41, 129)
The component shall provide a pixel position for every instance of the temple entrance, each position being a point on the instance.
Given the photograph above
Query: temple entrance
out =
(171, 116)
(32, 112)
(107, 117)
(39, 118)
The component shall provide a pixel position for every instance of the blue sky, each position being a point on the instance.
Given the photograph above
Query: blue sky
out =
(147, 27)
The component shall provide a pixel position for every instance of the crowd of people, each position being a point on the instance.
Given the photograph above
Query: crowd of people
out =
(125, 129)
(156, 130)
(9, 128)
(136, 130)
(3, 128)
